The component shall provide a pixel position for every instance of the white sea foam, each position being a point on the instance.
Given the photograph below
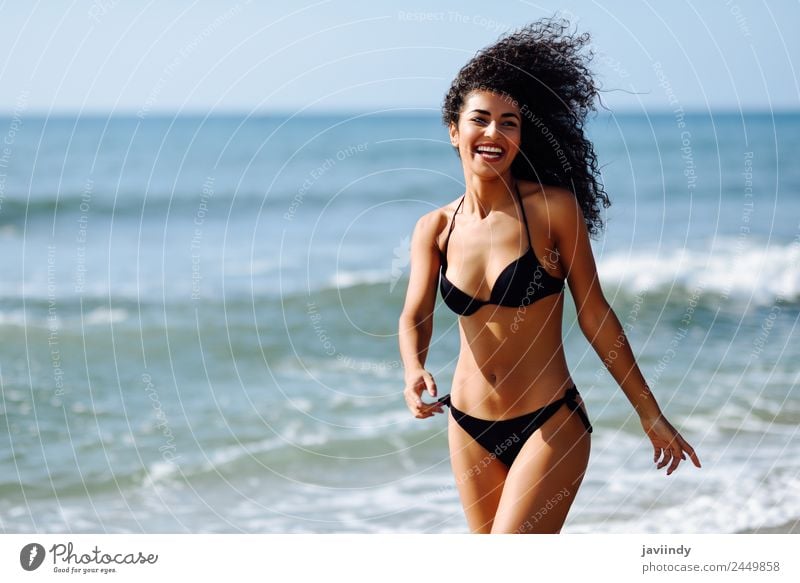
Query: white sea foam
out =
(750, 271)
(345, 279)
(724, 501)
(13, 318)
(103, 315)
(99, 315)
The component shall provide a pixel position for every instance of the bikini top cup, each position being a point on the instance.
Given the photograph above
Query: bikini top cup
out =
(523, 282)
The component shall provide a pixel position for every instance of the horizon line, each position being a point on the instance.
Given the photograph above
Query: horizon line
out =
(394, 111)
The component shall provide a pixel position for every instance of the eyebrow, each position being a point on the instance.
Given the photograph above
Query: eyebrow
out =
(508, 114)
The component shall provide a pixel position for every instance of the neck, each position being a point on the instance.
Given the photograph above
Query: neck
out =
(484, 196)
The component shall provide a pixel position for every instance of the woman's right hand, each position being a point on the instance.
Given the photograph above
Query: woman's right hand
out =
(417, 381)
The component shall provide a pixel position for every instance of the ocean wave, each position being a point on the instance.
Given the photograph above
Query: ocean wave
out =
(16, 209)
(728, 500)
(727, 267)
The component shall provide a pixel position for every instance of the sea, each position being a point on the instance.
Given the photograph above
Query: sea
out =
(199, 313)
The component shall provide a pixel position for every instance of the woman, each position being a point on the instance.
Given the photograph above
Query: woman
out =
(519, 433)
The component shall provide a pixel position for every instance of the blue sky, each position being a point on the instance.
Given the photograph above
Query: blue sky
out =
(249, 56)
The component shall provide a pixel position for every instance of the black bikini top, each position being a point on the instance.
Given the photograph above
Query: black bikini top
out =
(523, 282)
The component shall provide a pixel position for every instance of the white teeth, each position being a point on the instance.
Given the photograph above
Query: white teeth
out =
(490, 149)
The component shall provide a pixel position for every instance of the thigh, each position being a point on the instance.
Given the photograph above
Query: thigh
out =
(545, 477)
(479, 477)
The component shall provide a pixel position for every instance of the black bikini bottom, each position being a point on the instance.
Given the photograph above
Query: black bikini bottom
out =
(504, 438)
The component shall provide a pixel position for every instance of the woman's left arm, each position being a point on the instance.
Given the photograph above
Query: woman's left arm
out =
(602, 328)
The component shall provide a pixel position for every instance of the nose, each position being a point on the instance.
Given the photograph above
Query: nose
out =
(491, 129)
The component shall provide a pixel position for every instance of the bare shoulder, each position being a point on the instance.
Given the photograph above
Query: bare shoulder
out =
(545, 197)
(548, 205)
(433, 225)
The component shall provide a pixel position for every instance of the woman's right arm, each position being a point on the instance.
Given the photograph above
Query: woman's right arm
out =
(416, 318)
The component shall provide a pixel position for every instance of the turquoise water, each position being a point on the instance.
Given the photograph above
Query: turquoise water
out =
(199, 324)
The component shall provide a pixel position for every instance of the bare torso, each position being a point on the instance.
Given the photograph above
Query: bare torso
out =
(511, 359)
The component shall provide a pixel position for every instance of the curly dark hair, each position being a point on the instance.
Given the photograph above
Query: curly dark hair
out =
(545, 72)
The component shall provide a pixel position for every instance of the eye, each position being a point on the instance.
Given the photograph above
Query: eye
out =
(511, 124)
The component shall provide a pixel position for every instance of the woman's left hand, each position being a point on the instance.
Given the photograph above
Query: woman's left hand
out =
(668, 441)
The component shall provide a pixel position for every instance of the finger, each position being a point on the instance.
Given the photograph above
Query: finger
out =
(667, 458)
(675, 461)
(431, 384)
(434, 407)
(688, 449)
(656, 454)
(692, 455)
(414, 404)
(429, 407)
(413, 399)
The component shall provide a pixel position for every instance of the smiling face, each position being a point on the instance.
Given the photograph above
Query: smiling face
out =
(488, 134)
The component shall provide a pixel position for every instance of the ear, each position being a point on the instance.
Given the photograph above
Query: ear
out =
(453, 134)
